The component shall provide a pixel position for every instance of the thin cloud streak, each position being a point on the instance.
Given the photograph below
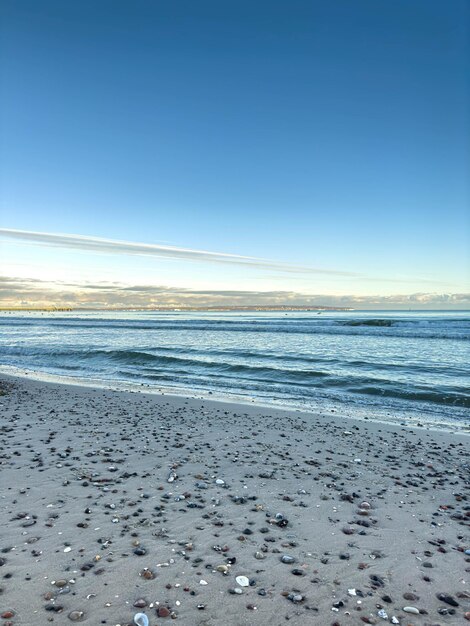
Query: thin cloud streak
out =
(113, 246)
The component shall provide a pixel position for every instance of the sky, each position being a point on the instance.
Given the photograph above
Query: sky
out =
(238, 152)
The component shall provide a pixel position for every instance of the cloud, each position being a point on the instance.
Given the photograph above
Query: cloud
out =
(112, 246)
(36, 293)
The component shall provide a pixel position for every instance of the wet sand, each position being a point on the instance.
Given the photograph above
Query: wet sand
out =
(114, 503)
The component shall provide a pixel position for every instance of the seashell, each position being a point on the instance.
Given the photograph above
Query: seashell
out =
(141, 619)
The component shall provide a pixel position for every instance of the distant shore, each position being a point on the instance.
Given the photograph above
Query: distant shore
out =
(118, 502)
(179, 308)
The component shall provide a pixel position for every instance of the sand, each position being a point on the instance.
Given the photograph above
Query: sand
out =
(375, 517)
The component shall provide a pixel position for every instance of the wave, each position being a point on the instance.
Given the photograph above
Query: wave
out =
(406, 328)
(303, 381)
(188, 355)
(382, 323)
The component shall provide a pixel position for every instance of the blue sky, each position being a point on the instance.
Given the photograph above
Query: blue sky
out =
(329, 135)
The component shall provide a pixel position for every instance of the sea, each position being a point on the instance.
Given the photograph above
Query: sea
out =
(410, 367)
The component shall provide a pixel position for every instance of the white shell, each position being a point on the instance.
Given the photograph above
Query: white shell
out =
(243, 581)
(141, 619)
(411, 609)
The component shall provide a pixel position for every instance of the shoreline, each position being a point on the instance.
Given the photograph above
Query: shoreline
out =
(117, 503)
(357, 413)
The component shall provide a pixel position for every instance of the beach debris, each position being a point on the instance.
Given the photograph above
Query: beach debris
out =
(140, 619)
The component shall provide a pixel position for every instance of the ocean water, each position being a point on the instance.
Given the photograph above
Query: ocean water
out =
(384, 365)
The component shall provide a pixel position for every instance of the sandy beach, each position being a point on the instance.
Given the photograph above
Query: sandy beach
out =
(210, 513)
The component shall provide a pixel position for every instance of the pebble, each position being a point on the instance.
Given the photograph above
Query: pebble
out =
(236, 590)
(140, 603)
(298, 572)
(295, 597)
(76, 616)
(411, 609)
(286, 558)
(448, 599)
(162, 611)
(243, 581)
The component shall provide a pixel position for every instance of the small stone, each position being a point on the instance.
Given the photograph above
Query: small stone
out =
(298, 572)
(76, 616)
(237, 590)
(295, 597)
(259, 555)
(243, 581)
(410, 596)
(140, 551)
(162, 611)
(448, 599)
(8, 614)
(411, 609)
(286, 558)
(140, 603)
